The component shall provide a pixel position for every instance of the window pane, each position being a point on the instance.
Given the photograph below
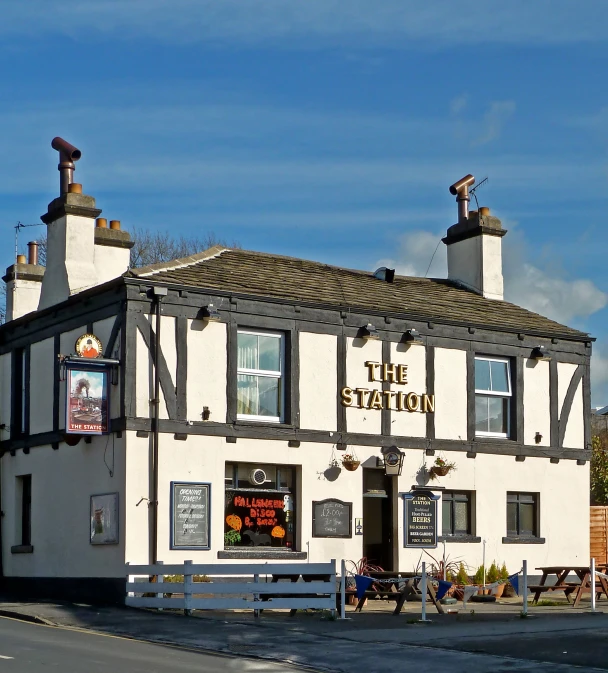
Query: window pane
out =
(498, 412)
(512, 518)
(482, 375)
(446, 517)
(461, 517)
(526, 519)
(269, 396)
(500, 380)
(270, 353)
(248, 351)
(481, 413)
(247, 395)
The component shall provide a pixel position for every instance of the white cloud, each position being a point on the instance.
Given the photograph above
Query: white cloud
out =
(310, 23)
(494, 120)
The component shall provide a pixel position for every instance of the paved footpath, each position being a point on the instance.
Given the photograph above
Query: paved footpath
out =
(368, 643)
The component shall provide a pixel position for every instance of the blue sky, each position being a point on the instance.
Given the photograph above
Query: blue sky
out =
(327, 129)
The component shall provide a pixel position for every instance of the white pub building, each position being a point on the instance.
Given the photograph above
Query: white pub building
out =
(238, 405)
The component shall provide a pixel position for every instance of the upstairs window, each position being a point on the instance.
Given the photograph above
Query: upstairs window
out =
(260, 376)
(493, 395)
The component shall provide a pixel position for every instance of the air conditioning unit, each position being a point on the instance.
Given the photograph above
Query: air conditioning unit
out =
(257, 477)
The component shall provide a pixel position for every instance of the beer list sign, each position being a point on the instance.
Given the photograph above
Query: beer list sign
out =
(420, 518)
(189, 515)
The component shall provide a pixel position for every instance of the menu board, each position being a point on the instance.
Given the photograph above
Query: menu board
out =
(420, 519)
(332, 518)
(189, 515)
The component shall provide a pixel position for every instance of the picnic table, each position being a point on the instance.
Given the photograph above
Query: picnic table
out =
(291, 577)
(579, 588)
(397, 586)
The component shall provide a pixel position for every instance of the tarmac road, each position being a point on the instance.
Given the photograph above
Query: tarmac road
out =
(35, 648)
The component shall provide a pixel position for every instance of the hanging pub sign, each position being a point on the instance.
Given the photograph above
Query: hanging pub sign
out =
(190, 515)
(88, 346)
(420, 519)
(87, 400)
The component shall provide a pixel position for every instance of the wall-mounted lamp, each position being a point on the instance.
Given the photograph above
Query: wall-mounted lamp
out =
(540, 353)
(393, 460)
(210, 314)
(368, 332)
(412, 336)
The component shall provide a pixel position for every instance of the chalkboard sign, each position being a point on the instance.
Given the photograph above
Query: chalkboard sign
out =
(189, 515)
(332, 518)
(259, 518)
(420, 519)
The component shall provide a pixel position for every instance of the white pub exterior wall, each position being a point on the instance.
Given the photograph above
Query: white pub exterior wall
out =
(318, 381)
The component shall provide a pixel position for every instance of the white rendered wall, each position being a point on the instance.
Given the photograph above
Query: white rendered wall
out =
(409, 423)
(477, 262)
(110, 262)
(167, 339)
(537, 416)
(207, 370)
(450, 394)
(358, 351)
(102, 329)
(22, 297)
(574, 437)
(492, 281)
(62, 484)
(318, 381)
(42, 377)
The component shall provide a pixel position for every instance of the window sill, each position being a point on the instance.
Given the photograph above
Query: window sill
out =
(523, 540)
(22, 549)
(274, 554)
(265, 424)
(459, 538)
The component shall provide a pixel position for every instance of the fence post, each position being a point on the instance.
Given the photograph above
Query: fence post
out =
(593, 585)
(129, 594)
(188, 587)
(525, 588)
(256, 597)
(333, 595)
(343, 589)
(159, 578)
(423, 588)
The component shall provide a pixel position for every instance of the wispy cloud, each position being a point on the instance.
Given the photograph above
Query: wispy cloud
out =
(494, 120)
(309, 23)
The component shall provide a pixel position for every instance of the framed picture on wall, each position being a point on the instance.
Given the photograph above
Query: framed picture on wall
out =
(104, 518)
(87, 401)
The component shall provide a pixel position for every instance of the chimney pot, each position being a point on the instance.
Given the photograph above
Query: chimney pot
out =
(21, 259)
(114, 224)
(484, 211)
(32, 252)
(101, 223)
(75, 188)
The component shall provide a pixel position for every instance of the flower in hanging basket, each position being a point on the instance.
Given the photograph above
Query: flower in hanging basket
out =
(350, 462)
(441, 468)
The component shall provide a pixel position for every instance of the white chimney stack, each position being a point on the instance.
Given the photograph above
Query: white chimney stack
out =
(475, 246)
(23, 284)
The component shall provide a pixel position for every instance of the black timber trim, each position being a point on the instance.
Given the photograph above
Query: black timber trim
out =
(567, 404)
(341, 376)
(587, 406)
(430, 388)
(459, 538)
(181, 382)
(166, 380)
(385, 418)
(128, 379)
(553, 404)
(56, 381)
(517, 417)
(28, 387)
(232, 354)
(293, 376)
(470, 395)
(523, 540)
(20, 403)
(118, 323)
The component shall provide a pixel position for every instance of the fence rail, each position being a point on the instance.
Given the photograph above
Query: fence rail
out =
(317, 590)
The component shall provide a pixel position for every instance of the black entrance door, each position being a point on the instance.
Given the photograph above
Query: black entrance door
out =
(378, 518)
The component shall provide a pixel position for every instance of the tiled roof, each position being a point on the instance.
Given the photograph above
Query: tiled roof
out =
(301, 281)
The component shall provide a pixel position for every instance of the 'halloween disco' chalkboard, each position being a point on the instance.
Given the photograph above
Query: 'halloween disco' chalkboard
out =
(189, 515)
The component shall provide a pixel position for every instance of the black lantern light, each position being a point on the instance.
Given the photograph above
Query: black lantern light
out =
(368, 332)
(540, 353)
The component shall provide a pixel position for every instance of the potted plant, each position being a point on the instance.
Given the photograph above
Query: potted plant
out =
(350, 462)
(441, 468)
(460, 581)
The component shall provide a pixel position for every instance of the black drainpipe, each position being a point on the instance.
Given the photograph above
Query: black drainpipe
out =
(159, 293)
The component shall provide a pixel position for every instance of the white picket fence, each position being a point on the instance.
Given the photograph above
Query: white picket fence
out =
(252, 587)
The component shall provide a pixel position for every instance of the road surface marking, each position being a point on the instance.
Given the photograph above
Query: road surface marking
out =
(3, 657)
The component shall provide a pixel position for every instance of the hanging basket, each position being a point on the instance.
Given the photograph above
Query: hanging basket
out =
(351, 465)
(440, 470)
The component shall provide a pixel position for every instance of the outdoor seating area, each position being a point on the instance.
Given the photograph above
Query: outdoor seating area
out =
(561, 573)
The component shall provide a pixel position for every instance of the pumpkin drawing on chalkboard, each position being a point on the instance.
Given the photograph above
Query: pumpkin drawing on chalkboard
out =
(278, 531)
(234, 521)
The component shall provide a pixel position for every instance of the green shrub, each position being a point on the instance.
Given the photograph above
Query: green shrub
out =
(180, 578)
(504, 573)
(493, 574)
(478, 579)
(461, 576)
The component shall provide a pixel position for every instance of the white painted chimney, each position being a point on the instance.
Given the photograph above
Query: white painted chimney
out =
(475, 246)
(23, 284)
(112, 250)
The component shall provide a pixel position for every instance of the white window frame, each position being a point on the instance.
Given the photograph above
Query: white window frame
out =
(266, 373)
(492, 393)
